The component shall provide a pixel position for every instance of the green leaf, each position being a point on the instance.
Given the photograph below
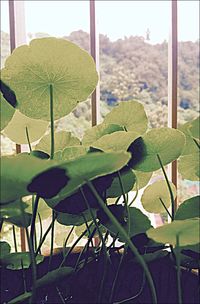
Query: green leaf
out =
(88, 167)
(139, 222)
(142, 179)
(189, 208)
(129, 114)
(62, 140)
(12, 209)
(154, 193)
(20, 221)
(16, 129)
(166, 142)
(43, 209)
(191, 131)
(128, 180)
(15, 260)
(54, 276)
(17, 172)
(188, 166)
(73, 219)
(70, 153)
(93, 134)
(6, 111)
(21, 298)
(5, 249)
(30, 70)
(187, 230)
(117, 141)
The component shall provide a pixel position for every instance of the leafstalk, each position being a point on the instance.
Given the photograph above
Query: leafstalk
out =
(28, 139)
(52, 120)
(128, 240)
(169, 187)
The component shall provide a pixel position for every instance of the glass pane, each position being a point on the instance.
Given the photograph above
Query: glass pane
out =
(133, 55)
(134, 61)
(188, 77)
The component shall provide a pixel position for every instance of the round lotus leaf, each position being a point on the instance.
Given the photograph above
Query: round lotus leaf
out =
(5, 249)
(15, 260)
(154, 194)
(187, 230)
(139, 222)
(168, 143)
(88, 167)
(16, 129)
(128, 180)
(191, 131)
(6, 110)
(14, 209)
(17, 172)
(142, 179)
(62, 140)
(70, 153)
(31, 69)
(117, 141)
(189, 208)
(129, 114)
(188, 166)
(93, 134)
(43, 209)
(74, 219)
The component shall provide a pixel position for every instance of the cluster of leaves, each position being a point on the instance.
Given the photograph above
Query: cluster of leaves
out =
(43, 82)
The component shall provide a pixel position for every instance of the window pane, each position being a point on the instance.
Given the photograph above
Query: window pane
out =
(188, 77)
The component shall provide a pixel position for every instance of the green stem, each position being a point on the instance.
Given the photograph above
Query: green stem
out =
(44, 236)
(32, 259)
(14, 237)
(128, 241)
(41, 232)
(28, 139)
(1, 224)
(52, 240)
(35, 208)
(178, 270)
(196, 142)
(67, 238)
(52, 121)
(73, 246)
(169, 187)
(163, 204)
(86, 224)
(23, 277)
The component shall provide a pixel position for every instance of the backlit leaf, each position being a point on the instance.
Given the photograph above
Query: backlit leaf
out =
(31, 69)
(129, 114)
(154, 193)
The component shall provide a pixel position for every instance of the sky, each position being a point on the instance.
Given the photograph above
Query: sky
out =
(115, 19)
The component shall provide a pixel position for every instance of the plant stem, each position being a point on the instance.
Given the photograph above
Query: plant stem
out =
(35, 208)
(14, 237)
(52, 240)
(45, 235)
(196, 142)
(163, 204)
(28, 139)
(128, 240)
(178, 270)
(23, 277)
(41, 232)
(52, 120)
(73, 246)
(32, 259)
(169, 187)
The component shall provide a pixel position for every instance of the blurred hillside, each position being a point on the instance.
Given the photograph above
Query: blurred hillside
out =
(132, 68)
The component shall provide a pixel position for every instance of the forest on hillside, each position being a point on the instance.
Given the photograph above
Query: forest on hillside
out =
(132, 68)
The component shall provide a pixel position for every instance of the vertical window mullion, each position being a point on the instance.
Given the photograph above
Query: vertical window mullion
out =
(94, 50)
(17, 37)
(172, 82)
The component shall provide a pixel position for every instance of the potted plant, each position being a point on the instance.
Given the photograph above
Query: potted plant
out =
(87, 183)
